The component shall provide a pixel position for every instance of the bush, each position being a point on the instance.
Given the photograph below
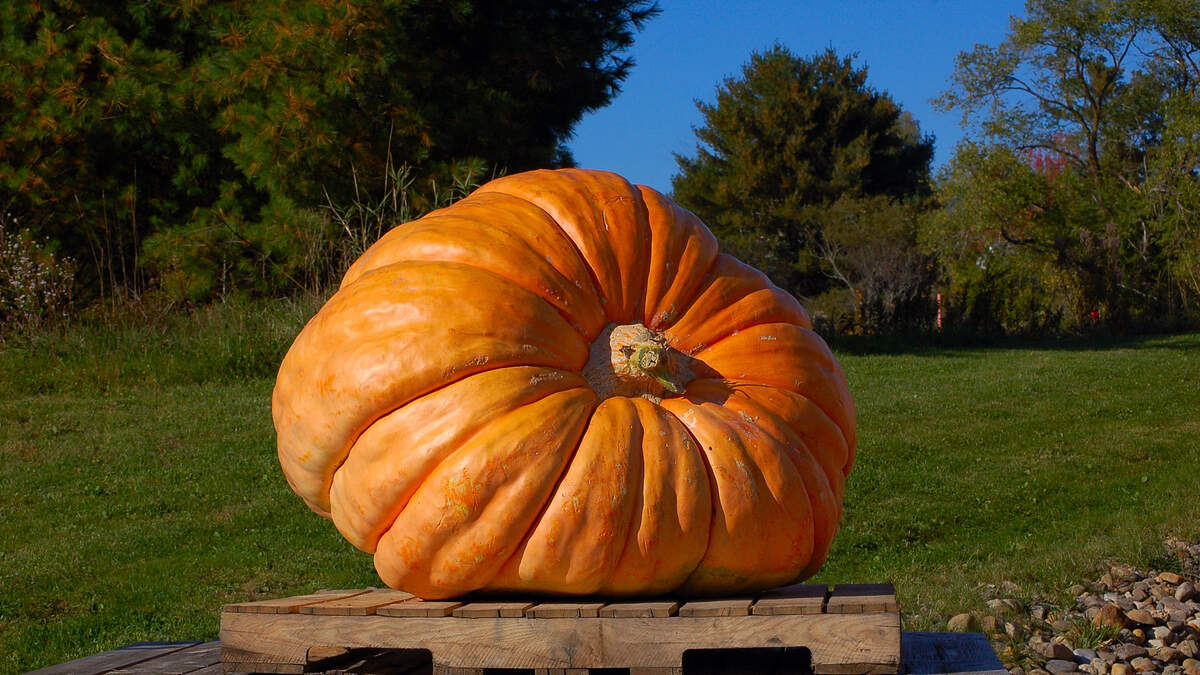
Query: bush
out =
(36, 286)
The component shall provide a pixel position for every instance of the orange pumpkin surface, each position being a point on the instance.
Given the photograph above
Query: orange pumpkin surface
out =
(558, 385)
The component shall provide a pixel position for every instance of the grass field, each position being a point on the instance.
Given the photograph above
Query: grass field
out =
(139, 489)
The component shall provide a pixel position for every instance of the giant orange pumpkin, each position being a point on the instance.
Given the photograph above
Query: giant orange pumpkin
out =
(558, 385)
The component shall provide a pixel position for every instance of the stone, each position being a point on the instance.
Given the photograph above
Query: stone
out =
(1016, 670)
(1085, 655)
(1186, 591)
(1120, 669)
(1061, 666)
(1142, 664)
(1138, 635)
(1057, 650)
(1128, 652)
(1015, 631)
(1077, 590)
(1139, 594)
(989, 624)
(962, 623)
(1190, 648)
(1167, 654)
(1111, 615)
(1162, 633)
(1141, 616)
(1170, 578)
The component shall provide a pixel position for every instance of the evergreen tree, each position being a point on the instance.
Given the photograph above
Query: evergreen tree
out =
(783, 142)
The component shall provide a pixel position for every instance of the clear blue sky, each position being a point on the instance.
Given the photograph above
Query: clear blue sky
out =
(682, 55)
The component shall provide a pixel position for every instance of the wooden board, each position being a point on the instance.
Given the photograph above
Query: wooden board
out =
(859, 598)
(356, 605)
(193, 658)
(567, 636)
(293, 604)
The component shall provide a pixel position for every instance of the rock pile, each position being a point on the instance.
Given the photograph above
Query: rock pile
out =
(1128, 622)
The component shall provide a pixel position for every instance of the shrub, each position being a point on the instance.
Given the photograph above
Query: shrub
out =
(36, 286)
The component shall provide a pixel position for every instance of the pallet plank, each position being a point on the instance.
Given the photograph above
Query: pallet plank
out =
(840, 643)
(118, 658)
(417, 607)
(639, 610)
(357, 605)
(292, 604)
(187, 660)
(565, 610)
(858, 598)
(492, 610)
(797, 599)
(725, 607)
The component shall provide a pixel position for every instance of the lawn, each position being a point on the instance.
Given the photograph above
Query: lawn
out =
(139, 487)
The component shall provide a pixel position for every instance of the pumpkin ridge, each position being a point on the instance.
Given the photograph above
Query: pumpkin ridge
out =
(713, 494)
(327, 357)
(849, 461)
(520, 547)
(592, 276)
(824, 363)
(450, 451)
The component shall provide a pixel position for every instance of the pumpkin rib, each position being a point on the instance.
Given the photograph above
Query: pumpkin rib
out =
(593, 278)
(664, 574)
(379, 365)
(502, 234)
(579, 201)
(815, 375)
(825, 496)
(431, 427)
(682, 253)
(451, 537)
(733, 297)
(753, 550)
(834, 468)
(549, 556)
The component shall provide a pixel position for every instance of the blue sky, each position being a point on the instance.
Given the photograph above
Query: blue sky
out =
(682, 55)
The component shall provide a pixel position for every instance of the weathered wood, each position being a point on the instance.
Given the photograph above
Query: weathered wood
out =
(184, 661)
(866, 643)
(565, 610)
(419, 608)
(949, 654)
(859, 598)
(293, 604)
(727, 607)
(797, 599)
(639, 610)
(118, 658)
(491, 610)
(356, 605)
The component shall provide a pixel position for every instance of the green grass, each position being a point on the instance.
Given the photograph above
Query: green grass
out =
(139, 489)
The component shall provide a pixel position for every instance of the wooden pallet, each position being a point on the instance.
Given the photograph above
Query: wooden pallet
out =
(855, 629)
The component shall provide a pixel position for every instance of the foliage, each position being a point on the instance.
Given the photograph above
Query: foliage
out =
(224, 125)
(869, 244)
(127, 435)
(783, 142)
(36, 286)
(1085, 171)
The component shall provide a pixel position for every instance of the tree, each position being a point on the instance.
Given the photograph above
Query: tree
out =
(1108, 88)
(782, 143)
(221, 128)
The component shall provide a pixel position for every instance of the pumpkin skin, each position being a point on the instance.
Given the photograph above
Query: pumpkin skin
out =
(558, 385)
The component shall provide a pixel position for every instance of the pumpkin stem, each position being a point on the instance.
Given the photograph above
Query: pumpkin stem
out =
(632, 360)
